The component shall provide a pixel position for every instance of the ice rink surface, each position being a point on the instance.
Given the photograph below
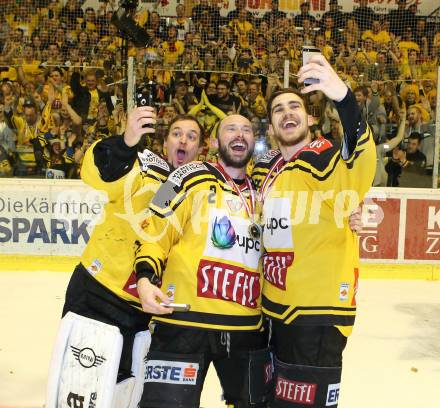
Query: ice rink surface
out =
(392, 360)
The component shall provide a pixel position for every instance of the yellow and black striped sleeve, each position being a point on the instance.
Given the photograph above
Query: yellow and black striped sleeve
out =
(170, 212)
(262, 167)
(358, 149)
(91, 175)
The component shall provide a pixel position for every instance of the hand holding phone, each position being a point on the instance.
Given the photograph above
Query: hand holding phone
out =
(178, 307)
(329, 82)
(307, 53)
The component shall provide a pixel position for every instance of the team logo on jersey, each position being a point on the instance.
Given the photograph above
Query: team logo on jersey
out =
(223, 234)
(171, 289)
(343, 291)
(218, 280)
(87, 357)
(171, 372)
(95, 267)
(177, 176)
(318, 146)
(148, 158)
(131, 286)
(275, 265)
(267, 158)
(332, 395)
(295, 391)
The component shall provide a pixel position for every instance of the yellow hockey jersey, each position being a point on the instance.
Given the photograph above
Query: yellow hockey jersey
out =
(201, 249)
(311, 255)
(109, 254)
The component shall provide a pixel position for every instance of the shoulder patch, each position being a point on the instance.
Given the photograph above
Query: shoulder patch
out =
(268, 156)
(147, 158)
(177, 176)
(318, 146)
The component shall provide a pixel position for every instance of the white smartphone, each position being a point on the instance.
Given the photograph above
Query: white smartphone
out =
(178, 307)
(307, 52)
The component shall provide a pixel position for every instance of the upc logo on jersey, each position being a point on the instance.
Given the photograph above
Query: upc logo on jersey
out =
(272, 224)
(332, 395)
(296, 392)
(217, 280)
(171, 372)
(275, 266)
(223, 233)
(87, 357)
(277, 225)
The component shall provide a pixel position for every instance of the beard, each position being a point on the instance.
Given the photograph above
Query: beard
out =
(292, 141)
(230, 161)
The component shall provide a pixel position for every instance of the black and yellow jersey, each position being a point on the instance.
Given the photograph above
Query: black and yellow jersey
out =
(262, 167)
(201, 248)
(311, 255)
(109, 254)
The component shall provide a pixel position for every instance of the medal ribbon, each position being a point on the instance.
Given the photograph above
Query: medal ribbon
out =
(250, 209)
(267, 183)
(276, 167)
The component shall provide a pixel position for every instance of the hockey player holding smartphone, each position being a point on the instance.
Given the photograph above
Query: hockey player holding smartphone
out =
(103, 324)
(311, 262)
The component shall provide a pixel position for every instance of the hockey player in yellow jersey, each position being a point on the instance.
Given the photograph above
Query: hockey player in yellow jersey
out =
(310, 258)
(103, 285)
(204, 250)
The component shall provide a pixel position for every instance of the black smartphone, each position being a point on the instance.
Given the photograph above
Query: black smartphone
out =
(146, 95)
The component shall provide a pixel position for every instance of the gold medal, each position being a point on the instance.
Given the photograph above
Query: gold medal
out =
(254, 231)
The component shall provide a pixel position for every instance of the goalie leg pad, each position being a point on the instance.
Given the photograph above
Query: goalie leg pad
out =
(303, 386)
(173, 380)
(84, 364)
(141, 346)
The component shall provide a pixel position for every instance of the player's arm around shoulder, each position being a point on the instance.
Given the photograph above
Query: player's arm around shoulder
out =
(169, 212)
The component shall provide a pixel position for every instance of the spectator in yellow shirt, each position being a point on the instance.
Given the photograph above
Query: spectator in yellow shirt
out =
(241, 26)
(23, 19)
(366, 55)
(412, 69)
(172, 48)
(407, 43)
(89, 21)
(28, 65)
(326, 49)
(255, 101)
(378, 35)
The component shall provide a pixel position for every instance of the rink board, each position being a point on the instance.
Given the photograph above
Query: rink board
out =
(46, 224)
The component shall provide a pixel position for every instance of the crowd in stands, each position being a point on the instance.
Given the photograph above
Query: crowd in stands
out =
(62, 77)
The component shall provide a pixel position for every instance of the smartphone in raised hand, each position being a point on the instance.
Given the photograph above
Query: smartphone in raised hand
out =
(308, 52)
